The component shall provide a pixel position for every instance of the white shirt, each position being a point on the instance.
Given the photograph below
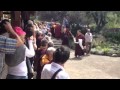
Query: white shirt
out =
(21, 69)
(88, 37)
(50, 69)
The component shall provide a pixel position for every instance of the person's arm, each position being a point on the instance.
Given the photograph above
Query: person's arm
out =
(30, 52)
(9, 28)
(34, 44)
(75, 40)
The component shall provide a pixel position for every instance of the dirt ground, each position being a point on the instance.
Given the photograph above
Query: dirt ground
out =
(93, 67)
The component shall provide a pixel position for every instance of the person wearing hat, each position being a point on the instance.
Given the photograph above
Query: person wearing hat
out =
(17, 68)
(88, 41)
(7, 45)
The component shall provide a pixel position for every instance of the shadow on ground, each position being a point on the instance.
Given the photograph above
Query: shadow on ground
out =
(75, 58)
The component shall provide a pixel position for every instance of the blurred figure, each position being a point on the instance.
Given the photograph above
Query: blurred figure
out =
(58, 31)
(65, 37)
(80, 44)
(55, 70)
(65, 23)
(48, 57)
(88, 41)
(19, 71)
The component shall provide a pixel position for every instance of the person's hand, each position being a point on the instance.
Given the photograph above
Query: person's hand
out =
(84, 47)
(10, 30)
(8, 27)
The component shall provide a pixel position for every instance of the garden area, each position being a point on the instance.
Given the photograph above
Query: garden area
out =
(104, 25)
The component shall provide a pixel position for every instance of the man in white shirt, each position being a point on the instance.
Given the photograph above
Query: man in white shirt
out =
(88, 41)
(56, 70)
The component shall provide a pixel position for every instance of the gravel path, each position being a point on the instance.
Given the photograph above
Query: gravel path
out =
(93, 67)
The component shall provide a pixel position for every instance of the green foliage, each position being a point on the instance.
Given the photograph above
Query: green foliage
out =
(112, 36)
(113, 20)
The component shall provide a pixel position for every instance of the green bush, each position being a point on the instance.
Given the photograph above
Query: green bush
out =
(114, 37)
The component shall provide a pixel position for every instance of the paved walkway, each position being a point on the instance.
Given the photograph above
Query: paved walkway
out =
(93, 67)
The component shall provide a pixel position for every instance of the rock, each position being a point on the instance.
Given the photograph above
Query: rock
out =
(114, 55)
(108, 54)
(93, 51)
(100, 53)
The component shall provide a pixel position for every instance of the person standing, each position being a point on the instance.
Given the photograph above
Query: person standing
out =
(65, 23)
(65, 37)
(7, 45)
(88, 41)
(80, 44)
(17, 68)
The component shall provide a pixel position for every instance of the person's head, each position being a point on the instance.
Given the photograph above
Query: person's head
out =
(30, 26)
(2, 27)
(40, 35)
(88, 30)
(78, 32)
(64, 29)
(20, 32)
(61, 55)
(50, 44)
(44, 44)
(30, 22)
(50, 52)
(49, 34)
(29, 30)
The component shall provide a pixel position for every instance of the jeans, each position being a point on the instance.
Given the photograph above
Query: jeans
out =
(15, 77)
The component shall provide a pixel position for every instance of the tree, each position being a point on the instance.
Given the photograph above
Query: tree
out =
(99, 18)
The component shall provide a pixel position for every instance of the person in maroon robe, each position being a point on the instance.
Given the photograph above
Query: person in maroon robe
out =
(78, 50)
(52, 29)
(58, 31)
(65, 37)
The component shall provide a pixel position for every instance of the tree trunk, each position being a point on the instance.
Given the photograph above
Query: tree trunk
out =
(1, 14)
(16, 18)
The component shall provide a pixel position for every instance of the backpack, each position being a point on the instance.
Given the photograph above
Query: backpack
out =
(16, 58)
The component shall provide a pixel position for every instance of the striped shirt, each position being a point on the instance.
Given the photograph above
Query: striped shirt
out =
(7, 45)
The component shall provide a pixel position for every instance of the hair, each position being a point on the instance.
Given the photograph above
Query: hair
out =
(61, 55)
(2, 28)
(50, 44)
(88, 29)
(29, 33)
(29, 25)
(50, 50)
(44, 42)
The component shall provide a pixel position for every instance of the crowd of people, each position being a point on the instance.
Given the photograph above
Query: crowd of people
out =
(30, 49)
